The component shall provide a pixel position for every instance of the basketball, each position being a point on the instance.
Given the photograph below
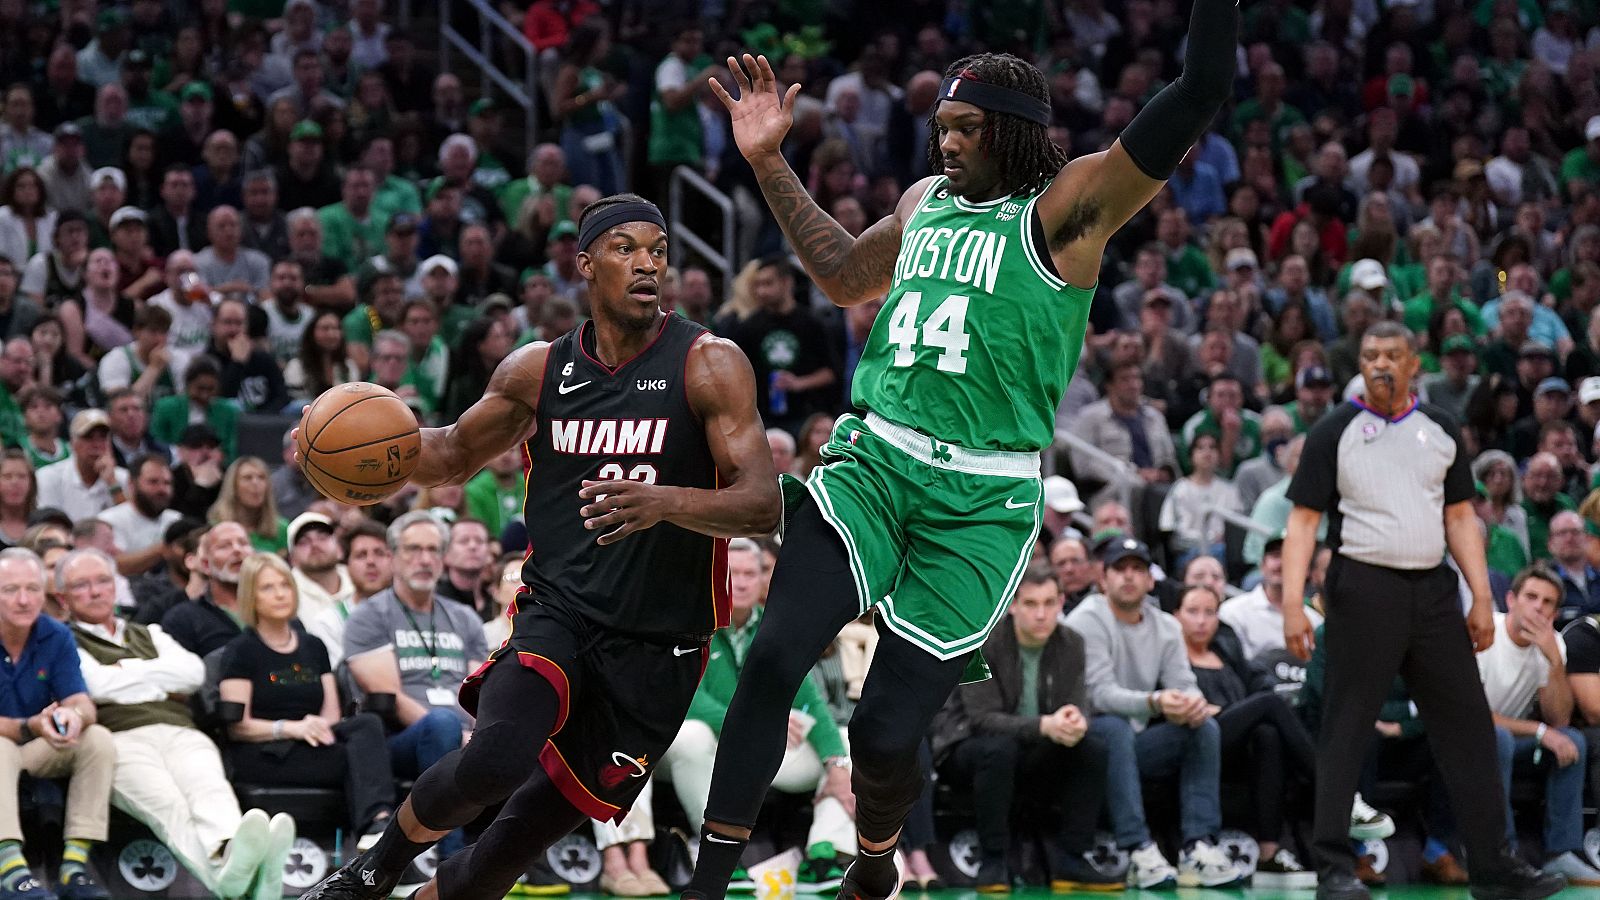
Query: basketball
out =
(359, 443)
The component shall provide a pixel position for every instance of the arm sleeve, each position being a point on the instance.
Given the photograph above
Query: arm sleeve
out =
(1162, 132)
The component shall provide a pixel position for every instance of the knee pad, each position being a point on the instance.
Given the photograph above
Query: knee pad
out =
(497, 761)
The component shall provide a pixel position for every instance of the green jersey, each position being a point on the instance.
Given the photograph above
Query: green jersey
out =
(978, 337)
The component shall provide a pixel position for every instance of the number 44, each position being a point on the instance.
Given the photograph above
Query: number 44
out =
(945, 329)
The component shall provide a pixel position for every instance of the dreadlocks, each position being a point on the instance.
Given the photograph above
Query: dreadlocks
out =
(1028, 159)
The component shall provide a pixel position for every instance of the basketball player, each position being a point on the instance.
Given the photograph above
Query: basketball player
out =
(644, 454)
(927, 505)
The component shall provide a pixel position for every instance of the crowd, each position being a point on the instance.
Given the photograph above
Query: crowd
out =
(211, 212)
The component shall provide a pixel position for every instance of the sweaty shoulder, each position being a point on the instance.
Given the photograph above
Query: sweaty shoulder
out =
(715, 372)
(521, 375)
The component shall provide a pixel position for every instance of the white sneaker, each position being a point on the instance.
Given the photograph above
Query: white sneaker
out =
(269, 877)
(1205, 865)
(243, 856)
(1148, 870)
(1366, 823)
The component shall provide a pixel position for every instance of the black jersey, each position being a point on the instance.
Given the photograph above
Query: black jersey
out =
(601, 424)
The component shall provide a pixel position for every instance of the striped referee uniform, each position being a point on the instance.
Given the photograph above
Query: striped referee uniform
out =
(1393, 607)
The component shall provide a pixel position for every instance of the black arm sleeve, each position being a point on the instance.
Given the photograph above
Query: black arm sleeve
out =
(1174, 119)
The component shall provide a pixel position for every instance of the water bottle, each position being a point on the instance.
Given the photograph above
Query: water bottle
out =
(777, 397)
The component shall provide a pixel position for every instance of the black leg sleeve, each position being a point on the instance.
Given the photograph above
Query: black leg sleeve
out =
(535, 817)
(1174, 119)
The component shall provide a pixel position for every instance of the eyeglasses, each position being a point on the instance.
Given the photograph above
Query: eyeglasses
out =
(420, 550)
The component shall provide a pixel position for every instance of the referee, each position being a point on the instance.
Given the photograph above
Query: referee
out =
(1393, 477)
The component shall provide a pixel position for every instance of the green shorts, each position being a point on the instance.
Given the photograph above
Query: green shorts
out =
(938, 535)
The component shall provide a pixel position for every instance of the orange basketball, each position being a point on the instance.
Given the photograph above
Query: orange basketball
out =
(359, 443)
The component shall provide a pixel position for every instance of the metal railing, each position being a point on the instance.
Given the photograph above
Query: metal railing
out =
(684, 239)
(522, 89)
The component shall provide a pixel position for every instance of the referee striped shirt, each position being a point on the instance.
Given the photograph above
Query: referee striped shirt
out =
(1384, 483)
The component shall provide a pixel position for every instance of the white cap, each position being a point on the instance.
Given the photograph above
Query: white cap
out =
(127, 214)
(436, 261)
(1589, 389)
(1368, 274)
(1061, 495)
(1239, 257)
(307, 518)
(1592, 130)
(111, 172)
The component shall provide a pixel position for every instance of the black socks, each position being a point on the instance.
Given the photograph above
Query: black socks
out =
(874, 873)
(719, 856)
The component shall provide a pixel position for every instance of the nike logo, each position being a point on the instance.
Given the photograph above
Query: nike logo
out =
(367, 879)
(1013, 505)
(719, 840)
(683, 651)
(564, 388)
(934, 209)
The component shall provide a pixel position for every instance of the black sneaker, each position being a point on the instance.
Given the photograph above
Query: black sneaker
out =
(994, 877)
(1517, 881)
(1342, 886)
(1073, 873)
(850, 890)
(354, 880)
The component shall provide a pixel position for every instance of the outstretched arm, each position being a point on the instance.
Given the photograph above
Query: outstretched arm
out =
(1096, 195)
(501, 420)
(722, 392)
(849, 270)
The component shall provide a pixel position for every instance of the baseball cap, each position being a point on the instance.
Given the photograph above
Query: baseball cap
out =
(1458, 343)
(1312, 375)
(1592, 129)
(1589, 389)
(483, 106)
(1552, 385)
(1368, 274)
(439, 261)
(1401, 85)
(1242, 258)
(403, 223)
(306, 520)
(1125, 548)
(111, 172)
(199, 436)
(1061, 495)
(305, 130)
(127, 214)
(497, 300)
(88, 420)
(195, 90)
(563, 229)
(68, 130)
(1534, 348)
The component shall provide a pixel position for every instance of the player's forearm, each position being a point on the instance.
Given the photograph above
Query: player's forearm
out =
(742, 510)
(822, 244)
(1173, 120)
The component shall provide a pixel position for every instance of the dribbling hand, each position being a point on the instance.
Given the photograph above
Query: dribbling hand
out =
(761, 116)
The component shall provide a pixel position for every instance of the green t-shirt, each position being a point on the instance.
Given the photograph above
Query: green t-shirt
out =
(516, 193)
(360, 324)
(429, 373)
(1189, 271)
(675, 134)
(1578, 166)
(153, 112)
(1419, 309)
(1539, 523)
(344, 238)
(396, 195)
(491, 504)
(1028, 697)
(40, 459)
(1245, 446)
(13, 430)
(276, 545)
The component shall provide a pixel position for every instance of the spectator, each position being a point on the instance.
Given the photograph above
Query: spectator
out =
(814, 763)
(56, 272)
(465, 555)
(176, 224)
(1155, 719)
(42, 414)
(51, 732)
(287, 317)
(1257, 617)
(1450, 388)
(1258, 473)
(385, 299)
(369, 559)
(264, 226)
(169, 775)
(144, 365)
(283, 713)
(1279, 746)
(1527, 659)
(246, 499)
(138, 523)
(290, 489)
(305, 179)
(1125, 426)
(494, 496)
(389, 652)
(90, 481)
(320, 579)
(129, 428)
(1569, 563)
(18, 313)
(329, 283)
(795, 374)
(187, 300)
(1541, 500)
(1028, 725)
(100, 319)
(354, 228)
(484, 344)
(1069, 557)
(1238, 430)
(19, 496)
(227, 266)
(249, 374)
(210, 620)
(1191, 511)
(322, 360)
(64, 173)
(582, 100)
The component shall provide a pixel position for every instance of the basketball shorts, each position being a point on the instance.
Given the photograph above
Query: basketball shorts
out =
(937, 535)
(622, 701)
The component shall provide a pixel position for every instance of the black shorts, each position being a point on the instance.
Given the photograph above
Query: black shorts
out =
(622, 700)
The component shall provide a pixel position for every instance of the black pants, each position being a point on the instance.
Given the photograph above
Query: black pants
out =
(1382, 622)
(813, 595)
(1276, 745)
(358, 764)
(1072, 778)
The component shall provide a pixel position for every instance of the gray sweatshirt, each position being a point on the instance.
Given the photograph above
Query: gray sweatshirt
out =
(1124, 663)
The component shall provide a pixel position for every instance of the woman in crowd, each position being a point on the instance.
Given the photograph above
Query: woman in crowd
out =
(483, 344)
(292, 732)
(100, 319)
(246, 498)
(143, 170)
(1290, 327)
(19, 495)
(322, 361)
(26, 220)
(1261, 726)
(52, 363)
(270, 145)
(1491, 410)
(1500, 509)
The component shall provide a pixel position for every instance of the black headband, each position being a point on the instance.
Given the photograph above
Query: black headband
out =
(619, 214)
(995, 98)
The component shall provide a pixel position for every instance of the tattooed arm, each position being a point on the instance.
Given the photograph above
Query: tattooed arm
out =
(849, 270)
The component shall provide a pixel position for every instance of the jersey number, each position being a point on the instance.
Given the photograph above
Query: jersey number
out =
(642, 472)
(945, 329)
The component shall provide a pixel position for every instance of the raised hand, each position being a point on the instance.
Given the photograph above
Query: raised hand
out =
(761, 116)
